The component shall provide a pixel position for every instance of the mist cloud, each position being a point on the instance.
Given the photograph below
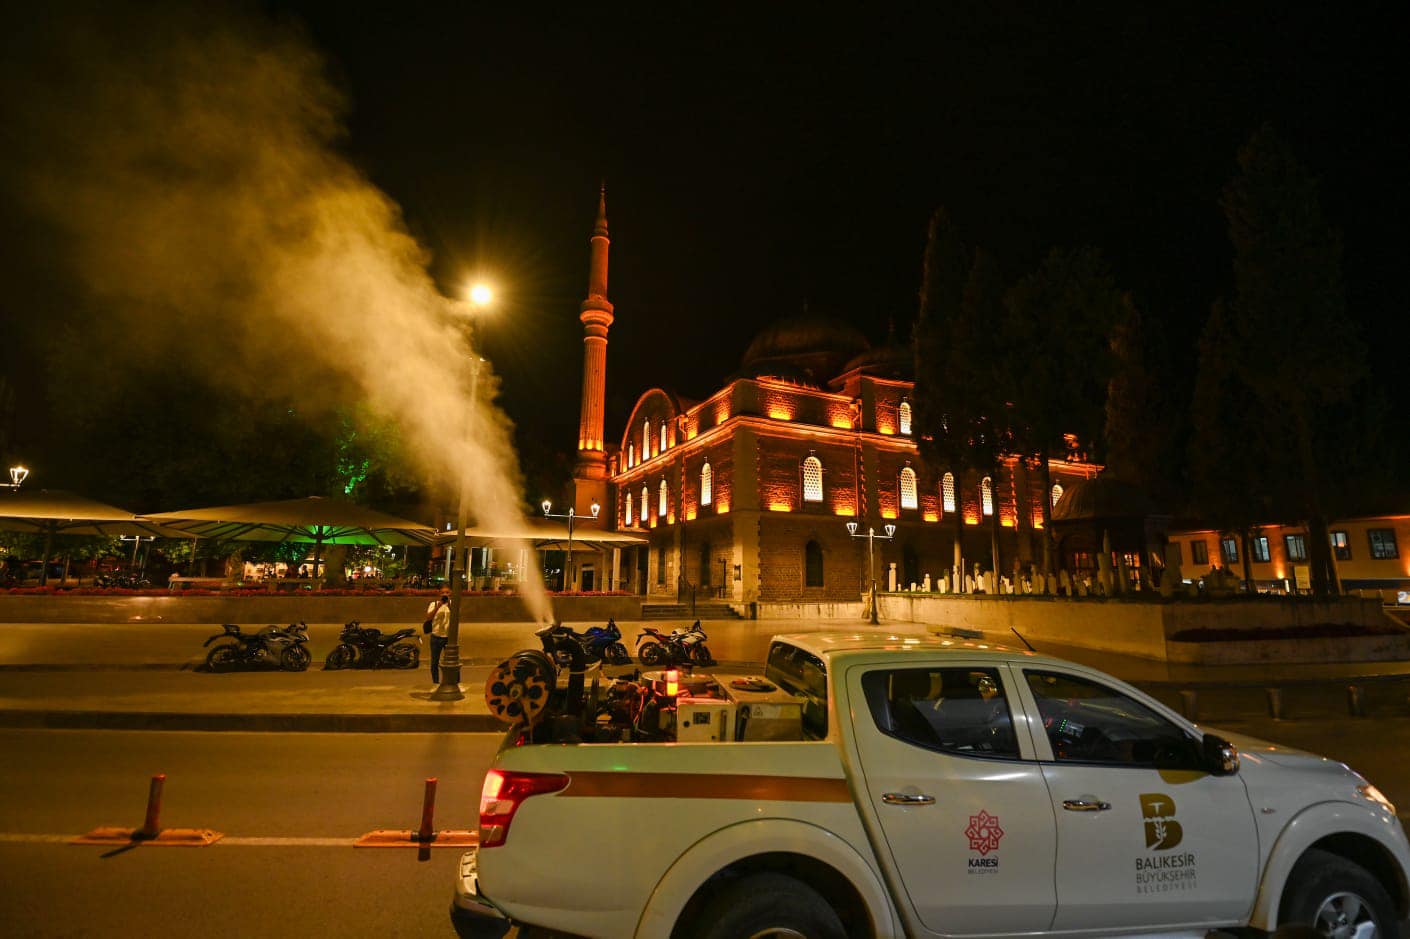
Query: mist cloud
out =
(190, 161)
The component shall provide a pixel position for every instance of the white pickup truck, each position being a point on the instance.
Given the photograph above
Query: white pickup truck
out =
(875, 785)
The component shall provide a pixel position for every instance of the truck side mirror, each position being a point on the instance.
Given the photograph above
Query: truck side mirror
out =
(1221, 758)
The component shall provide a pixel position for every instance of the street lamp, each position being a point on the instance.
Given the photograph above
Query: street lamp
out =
(571, 516)
(449, 688)
(871, 537)
(18, 474)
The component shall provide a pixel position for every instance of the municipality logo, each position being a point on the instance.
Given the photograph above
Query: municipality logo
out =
(1163, 832)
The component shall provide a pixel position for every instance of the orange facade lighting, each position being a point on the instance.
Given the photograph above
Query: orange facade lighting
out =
(780, 507)
(931, 517)
(780, 413)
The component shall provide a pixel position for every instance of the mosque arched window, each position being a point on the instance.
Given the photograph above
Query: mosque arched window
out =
(812, 479)
(947, 492)
(663, 436)
(644, 496)
(661, 501)
(631, 455)
(905, 417)
(707, 477)
(986, 496)
(908, 488)
(1057, 492)
(645, 439)
(627, 502)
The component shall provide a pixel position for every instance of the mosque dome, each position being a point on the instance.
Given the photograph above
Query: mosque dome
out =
(889, 361)
(806, 348)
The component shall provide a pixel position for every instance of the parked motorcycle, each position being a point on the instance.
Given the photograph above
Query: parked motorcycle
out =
(272, 647)
(368, 647)
(599, 643)
(679, 647)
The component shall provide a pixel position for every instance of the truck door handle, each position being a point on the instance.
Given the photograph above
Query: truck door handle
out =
(907, 798)
(1085, 805)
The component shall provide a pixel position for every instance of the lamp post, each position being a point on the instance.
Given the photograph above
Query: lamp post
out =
(449, 688)
(571, 516)
(871, 537)
(18, 474)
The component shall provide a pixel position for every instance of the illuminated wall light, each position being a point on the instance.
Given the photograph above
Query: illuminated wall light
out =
(888, 513)
(842, 422)
(670, 518)
(780, 413)
(722, 508)
(846, 511)
(1038, 524)
(780, 507)
(931, 517)
(690, 515)
(1006, 522)
(970, 518)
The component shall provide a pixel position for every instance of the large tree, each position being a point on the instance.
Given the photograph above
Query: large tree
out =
(1145, 408)
(1057, 328)
(1298, 352)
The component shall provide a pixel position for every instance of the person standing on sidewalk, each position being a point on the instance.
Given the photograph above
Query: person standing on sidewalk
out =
(438, 614)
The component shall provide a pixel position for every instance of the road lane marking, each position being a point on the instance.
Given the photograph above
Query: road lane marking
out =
(247, 842)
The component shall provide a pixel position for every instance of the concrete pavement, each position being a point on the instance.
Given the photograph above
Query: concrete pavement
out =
(146, 677)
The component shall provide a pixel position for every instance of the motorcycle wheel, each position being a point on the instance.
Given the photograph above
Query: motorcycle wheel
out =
(342, 656)
(652, 653)
(700, 654)
(402, 655)
(223, 658)
(294, 659)
(617, 654)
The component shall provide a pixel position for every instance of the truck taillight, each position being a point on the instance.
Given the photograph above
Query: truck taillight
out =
(504, 791)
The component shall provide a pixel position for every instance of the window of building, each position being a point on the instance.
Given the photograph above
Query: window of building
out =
(643, 504)
(1179, 552)
(812, 479)
(661, 502)
(645, 439)
(706, 478)
(628, 504)
(1057, 493)
(1229, 549)
(947, 492)
(631, 455)
(953, 710)
(1199, 552)
(1341, 546)
(812, 565)
(663, 436)
(986, 496)
(1296, 546)
(1259, 547)
(905, 417)
(908, 488)
(1383, 546)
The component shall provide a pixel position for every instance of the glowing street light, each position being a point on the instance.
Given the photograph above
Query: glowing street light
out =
(18, 474)
(449, 689)
(570, 515)
(871, 536)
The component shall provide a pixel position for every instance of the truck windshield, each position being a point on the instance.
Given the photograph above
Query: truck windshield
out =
(804, 674)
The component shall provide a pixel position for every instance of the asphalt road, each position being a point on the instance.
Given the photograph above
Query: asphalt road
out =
(291, 804)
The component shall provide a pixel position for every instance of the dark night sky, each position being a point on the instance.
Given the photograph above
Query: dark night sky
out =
(753, 164)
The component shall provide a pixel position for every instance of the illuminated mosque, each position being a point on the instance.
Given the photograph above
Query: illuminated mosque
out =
(745, 497)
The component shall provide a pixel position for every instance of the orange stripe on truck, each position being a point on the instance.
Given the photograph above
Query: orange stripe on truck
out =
(705, 786)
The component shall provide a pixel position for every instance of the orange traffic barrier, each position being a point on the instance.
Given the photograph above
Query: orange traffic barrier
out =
(151, 831)
(424, 837)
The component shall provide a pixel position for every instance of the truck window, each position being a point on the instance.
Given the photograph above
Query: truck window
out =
(953, 710)
(1087, 722)
(801, 673)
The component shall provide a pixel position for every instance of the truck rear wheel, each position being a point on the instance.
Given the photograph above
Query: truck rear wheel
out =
(1336, 898)
(769, 906)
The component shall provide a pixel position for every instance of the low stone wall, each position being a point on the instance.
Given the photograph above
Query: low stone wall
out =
(808, 611)
(1292, 651)
(308, 608)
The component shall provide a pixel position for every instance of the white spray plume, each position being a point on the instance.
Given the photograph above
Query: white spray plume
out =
(191, 162)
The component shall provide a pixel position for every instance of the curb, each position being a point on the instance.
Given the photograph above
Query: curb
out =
(13, 719)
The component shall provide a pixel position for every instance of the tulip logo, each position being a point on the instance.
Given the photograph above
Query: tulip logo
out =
(1163, 832)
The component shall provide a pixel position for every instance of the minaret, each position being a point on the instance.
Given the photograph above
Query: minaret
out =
(596, 314)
